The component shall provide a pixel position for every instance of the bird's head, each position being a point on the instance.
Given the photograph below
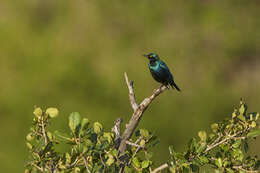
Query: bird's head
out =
(152, 56)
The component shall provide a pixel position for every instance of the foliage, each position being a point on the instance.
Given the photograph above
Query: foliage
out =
(92, 149)
(225, 148)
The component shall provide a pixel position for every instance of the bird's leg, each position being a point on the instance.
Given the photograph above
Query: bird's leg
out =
(166, 85)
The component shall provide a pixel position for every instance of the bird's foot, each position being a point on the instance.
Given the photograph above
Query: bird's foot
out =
(167, 86)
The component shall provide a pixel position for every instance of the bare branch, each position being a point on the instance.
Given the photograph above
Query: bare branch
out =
(244, 170)
(130, 127)
(136, 116)
(164, 166)
(131, 93)
(116, 130)
(134, 144)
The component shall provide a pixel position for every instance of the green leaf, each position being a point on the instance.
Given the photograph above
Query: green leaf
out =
(97, 127)
(74, 122)
(243, 108)
(219, 162)
(237, 143)
(253, 124)
(214, 127)
(110, 160)
(76, 170)
(29, 145)
(114, 152)
(136, 162)
(108, 136)
(68, 158)
(62, 136)
(84, 125)
(254, 133)
(50, 136)
(192, 145)
(37, 112)
(142, 142)
(52, 112)
(144, 133)
(202, 147)
(29, 137)
(238, 154)
(145, 164)
(229, 170)
(241, 117)
(203, 159)
(202, 135)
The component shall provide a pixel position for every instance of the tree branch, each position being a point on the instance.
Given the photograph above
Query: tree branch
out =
(130, 86)
(116, 130)
(138, 112)
(134, 144)
(163, 166)
(243, 170)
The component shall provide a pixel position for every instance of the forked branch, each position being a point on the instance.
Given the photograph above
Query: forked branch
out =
(138, 111)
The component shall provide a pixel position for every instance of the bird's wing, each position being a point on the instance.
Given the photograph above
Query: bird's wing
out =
(164, 66)
(167, 70)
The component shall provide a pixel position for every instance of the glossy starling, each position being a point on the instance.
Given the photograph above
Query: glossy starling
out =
(160, 71)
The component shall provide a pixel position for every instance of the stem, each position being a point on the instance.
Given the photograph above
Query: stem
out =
(43, 131)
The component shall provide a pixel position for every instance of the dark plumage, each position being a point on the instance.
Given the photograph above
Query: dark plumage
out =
(160, 71)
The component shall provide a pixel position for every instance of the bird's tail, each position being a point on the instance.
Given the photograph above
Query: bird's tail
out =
(173, 84)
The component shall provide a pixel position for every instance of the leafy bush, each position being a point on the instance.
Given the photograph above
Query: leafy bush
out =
(92, 149)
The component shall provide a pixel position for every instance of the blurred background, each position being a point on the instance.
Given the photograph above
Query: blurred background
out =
(72, 55)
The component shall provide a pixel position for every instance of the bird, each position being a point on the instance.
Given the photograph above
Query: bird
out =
(160, 71)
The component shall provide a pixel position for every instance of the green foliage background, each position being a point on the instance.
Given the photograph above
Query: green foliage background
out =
(72, 55)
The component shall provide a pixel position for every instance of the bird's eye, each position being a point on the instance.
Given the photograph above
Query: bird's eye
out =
(150, 56)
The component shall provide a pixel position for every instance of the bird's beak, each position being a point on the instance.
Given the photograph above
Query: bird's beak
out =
(145, 55)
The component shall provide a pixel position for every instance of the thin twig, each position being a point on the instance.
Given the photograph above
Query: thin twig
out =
(244, 170)
(131, 93)
(43, 131)
(214, 144)
(86, 164)
(39, 168)
(134, 144)
(163, 166)
(102, 160)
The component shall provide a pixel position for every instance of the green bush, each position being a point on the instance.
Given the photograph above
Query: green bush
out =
(92, 149)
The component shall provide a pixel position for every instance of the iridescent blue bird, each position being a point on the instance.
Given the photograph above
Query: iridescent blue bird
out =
(160, 71)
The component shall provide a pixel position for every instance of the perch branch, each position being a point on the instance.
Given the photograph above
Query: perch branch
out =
(138, 112)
